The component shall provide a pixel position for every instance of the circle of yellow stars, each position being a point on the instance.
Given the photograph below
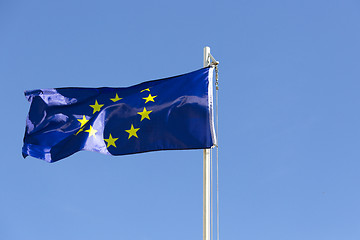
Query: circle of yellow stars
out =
(132, 131)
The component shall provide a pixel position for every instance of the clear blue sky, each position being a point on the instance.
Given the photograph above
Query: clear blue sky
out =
(289, 119)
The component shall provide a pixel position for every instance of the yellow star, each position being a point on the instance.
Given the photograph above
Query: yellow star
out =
(91, 131)
(147, 89)
(96, 107)
(144, 114)
(116, 98)
(132, 131)
(110, 141)
(150, 98)
(83, 121)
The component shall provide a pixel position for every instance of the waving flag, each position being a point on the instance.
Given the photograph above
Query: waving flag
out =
(166, 114)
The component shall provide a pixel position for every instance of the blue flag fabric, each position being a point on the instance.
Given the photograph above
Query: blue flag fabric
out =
(166, 114)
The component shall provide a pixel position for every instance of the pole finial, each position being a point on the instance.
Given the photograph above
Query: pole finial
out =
(206, 56)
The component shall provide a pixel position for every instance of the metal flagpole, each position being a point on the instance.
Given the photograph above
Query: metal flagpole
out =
(206, 173)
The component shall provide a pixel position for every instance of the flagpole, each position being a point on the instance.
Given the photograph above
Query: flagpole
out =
(206, 173)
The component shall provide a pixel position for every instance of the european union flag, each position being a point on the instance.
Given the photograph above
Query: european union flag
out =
(166, 114)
